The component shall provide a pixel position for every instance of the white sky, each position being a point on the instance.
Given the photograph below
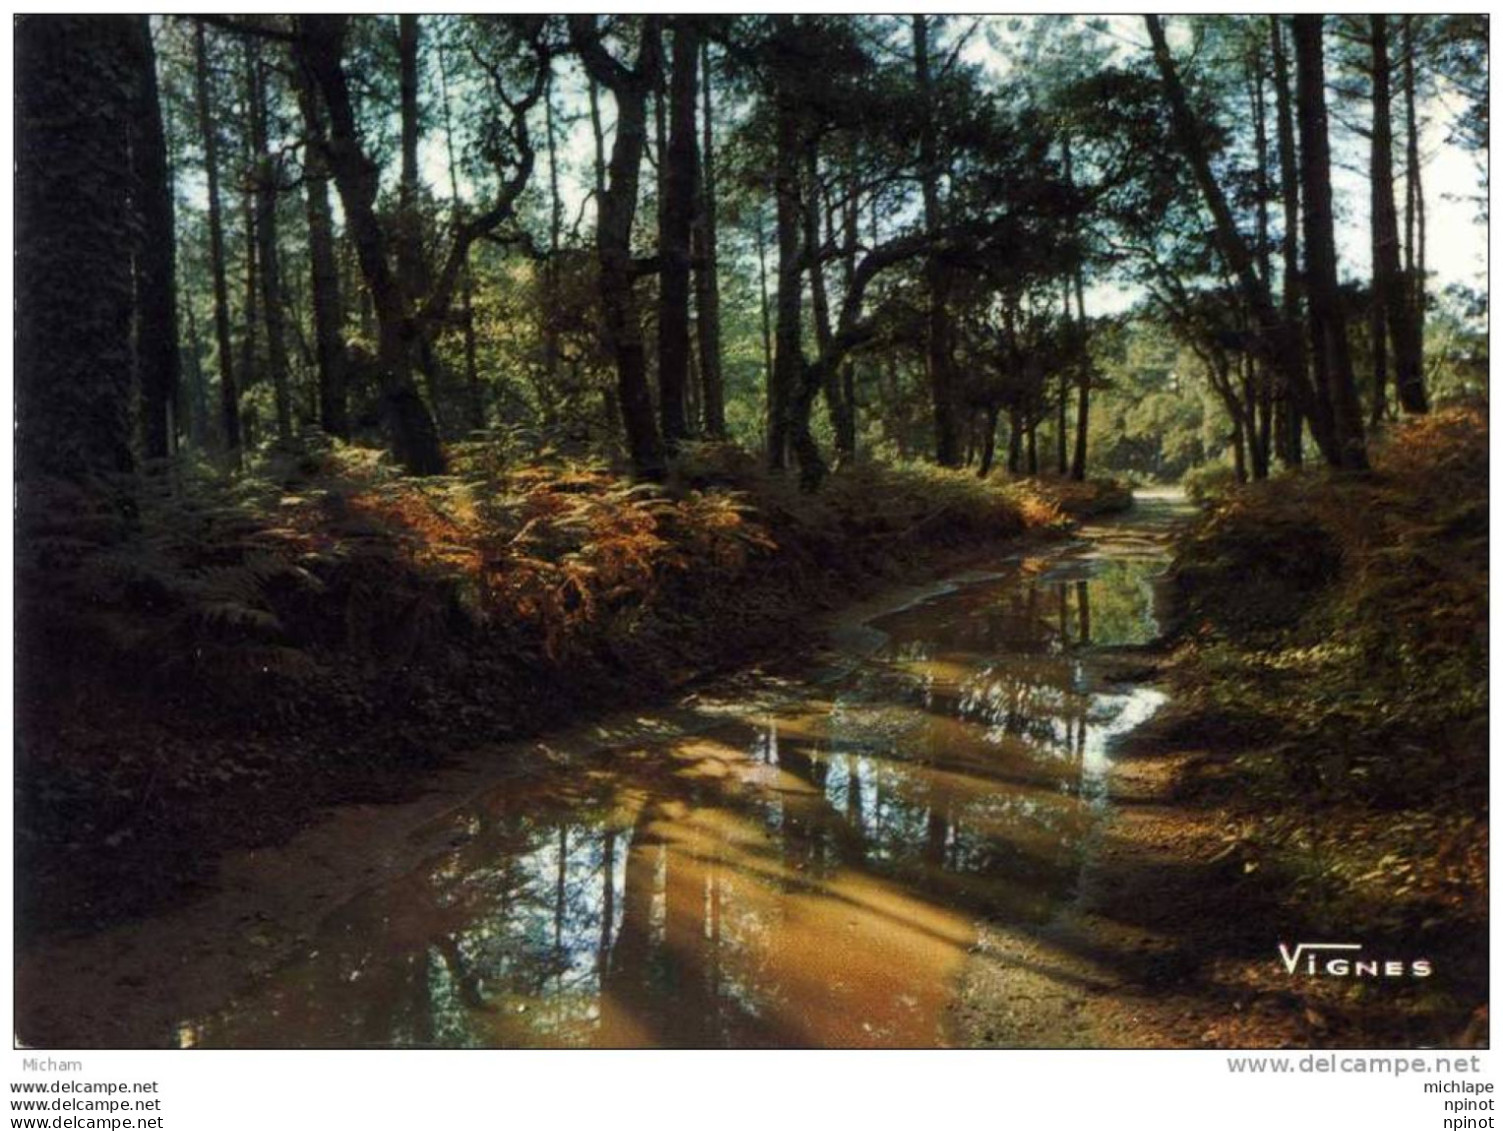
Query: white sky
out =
(1456, 240)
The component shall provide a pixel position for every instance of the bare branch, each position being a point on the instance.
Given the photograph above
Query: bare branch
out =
(512, 186)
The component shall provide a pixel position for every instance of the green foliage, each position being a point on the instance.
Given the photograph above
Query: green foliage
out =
(1209, 482)
(1150, 420)
(189, 588)
(1342, 621)
(1333, 653)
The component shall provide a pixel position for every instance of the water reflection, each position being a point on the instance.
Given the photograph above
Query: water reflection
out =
(808, 878)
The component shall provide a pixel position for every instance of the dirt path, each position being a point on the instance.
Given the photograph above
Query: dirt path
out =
(1155, 950)
(1122, 962)
(1173, 938)
(135, 983)
(1103, 973)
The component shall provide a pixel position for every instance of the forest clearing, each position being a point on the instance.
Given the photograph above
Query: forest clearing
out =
(757, 531)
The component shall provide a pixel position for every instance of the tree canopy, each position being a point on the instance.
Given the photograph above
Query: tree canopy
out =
(822, 238)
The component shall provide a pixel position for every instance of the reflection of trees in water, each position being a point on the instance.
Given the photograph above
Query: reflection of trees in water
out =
(702, 979)
(653, 911)
(616, 925)
(1120, 605)
(1005, 665)
(915, 823)
(537, 898)
(1020, 652)
(1109, 604)
(521, 914)
(623, 934)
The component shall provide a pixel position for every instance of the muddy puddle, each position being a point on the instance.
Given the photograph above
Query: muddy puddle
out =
(805, 873)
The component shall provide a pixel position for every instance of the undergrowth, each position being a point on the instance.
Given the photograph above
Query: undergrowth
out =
(1333, 638)
(235, 652)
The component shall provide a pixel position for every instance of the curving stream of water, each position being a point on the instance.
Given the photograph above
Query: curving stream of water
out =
(803, 872)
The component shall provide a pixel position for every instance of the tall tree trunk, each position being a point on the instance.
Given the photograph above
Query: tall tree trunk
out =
(598, 130)
(1062, 432)
(411, 261)
(75, 83)
(415, 440)
(1279, 338)
(1380, 180)
(1083, 407)
(1291, 425)
(413, 267)
(1411, 146)
(475, 394)
(250, 330)
(675, 235)
(1221, 368)
(693, 392)
(845, 429)
(707, 269)
(1405, 303)
(475, 390)
(1257, 77)
(229, 395)
(549, 314)
(765, 304)
(265, 187)
(1257, 453)
(1415, 212)
(157, 357)
(658, 157)
(841, 392)
(1239, 449)
(365, 306)
(788, 360)
(1389, 291)
(1083, 377)
(1264, 377)
(819, 295)
(659, 151)
(1327, 315)
(618, 208)
(197, 413)
(937, 274)
(607, 902)
(328, 306)
(1062, 425)
(1260, 408)
(989, 440)
(1378, 324)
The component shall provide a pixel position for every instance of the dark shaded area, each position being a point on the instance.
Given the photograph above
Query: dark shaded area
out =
(214, 679)
(639, 899)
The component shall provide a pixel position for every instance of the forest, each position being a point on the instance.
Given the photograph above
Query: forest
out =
(392, 387)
